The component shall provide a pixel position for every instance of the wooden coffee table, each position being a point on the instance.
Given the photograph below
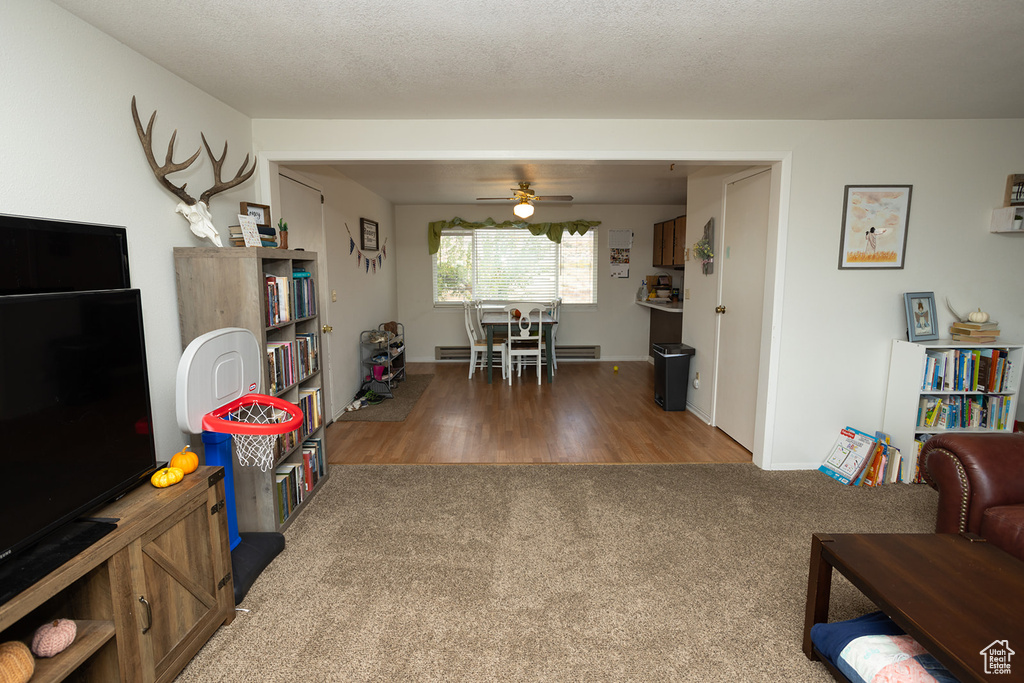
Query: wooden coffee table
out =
(953, 593)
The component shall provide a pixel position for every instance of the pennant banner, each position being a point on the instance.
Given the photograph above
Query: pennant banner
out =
(368, 263)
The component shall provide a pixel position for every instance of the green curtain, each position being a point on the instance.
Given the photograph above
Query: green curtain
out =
(553, 231)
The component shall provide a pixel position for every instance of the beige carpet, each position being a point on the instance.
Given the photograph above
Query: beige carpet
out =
(551, 573)
(396, 409)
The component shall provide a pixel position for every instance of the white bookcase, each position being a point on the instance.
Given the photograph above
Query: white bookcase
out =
(906, 389)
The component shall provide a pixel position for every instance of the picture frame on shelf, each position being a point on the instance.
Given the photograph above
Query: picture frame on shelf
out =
(369, 235)
(259, 212)
(873, 232)
(921, 321)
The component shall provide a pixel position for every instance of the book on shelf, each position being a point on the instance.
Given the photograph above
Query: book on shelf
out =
(968, 325)
(280, 366)
(277, 297)
(956, 328)
(850, 454)
(974, 340)
(311, 404)
(283, 508)
(267, 230)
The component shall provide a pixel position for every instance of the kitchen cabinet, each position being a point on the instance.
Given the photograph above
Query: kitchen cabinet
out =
(670, 243)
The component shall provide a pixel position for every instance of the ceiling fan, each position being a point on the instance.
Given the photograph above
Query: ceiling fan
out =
(524, 198)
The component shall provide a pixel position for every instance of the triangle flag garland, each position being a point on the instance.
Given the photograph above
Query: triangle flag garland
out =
(364, 261)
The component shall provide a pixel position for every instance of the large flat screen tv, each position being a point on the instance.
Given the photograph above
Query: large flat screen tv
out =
(74, 408)
(41, 255)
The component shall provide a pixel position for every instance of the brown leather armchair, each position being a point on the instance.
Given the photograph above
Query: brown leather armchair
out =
(980, 480)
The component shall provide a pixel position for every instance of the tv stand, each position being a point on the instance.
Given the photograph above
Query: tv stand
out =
(48, 553)
(146, 596)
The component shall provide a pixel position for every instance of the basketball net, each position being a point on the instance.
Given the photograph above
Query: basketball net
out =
(255, 423)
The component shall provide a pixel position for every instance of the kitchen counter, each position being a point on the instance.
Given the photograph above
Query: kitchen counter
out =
(671, 307)
(666, 323)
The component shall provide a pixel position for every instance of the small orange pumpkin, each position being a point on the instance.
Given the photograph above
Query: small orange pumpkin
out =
(168, 476)
(185, 460)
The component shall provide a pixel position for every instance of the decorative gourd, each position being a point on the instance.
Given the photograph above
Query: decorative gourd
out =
(167, 476)
(978, 316)
(185, 460)
(53, 637)
(16, 663)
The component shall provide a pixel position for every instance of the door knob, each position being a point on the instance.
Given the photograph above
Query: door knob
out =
(327, 328)
(719, 309)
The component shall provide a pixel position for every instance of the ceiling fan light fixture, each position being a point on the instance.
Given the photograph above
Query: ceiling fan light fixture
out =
(523, 209)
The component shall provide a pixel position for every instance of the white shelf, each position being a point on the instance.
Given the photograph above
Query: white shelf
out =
(907, 366)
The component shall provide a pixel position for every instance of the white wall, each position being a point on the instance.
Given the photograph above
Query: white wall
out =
(835, 326)
(617, 324)
(70, 151)
(364, 299)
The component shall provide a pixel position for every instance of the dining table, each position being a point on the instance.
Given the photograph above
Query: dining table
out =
(499, 319)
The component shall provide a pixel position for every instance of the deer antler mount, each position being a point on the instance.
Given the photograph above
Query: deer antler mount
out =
(197, 212)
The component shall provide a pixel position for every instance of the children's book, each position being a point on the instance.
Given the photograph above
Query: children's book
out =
(850, 454)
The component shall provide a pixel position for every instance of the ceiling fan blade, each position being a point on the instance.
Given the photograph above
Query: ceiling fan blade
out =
(489, 199)
(557, 197)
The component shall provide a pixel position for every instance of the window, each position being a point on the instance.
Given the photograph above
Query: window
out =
(511, 264)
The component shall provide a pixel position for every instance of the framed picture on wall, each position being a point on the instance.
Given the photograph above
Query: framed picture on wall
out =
(921, 322)
(874, 228)
(368, 235)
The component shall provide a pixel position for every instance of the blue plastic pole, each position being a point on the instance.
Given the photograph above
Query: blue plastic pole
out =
(219, 453)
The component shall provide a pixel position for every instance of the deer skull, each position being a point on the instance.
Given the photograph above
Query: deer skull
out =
(200, 220)
(197, 212)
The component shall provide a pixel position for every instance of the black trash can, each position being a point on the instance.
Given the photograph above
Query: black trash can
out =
(671, 374)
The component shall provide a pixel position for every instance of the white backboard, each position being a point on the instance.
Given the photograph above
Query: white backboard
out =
(215, 369)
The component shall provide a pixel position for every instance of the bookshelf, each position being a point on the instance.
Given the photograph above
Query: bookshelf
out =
(967, 399)
(272, 293)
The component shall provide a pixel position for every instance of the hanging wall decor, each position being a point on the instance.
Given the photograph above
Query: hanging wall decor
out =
(369, 263)
(704, 249)
(196, 211)
(874, 227)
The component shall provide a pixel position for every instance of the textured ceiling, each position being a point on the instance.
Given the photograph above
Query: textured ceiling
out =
(580, 59)
(695, 59)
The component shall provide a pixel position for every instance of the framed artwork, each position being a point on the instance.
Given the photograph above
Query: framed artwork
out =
(874, 228)
(368, 235)
(921, 322)
(259, 212)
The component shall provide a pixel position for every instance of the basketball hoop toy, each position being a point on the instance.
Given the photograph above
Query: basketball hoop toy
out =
(217, 394)
(254, 421)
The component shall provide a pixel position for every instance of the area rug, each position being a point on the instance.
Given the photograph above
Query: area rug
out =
(396, 409)
(551, 574)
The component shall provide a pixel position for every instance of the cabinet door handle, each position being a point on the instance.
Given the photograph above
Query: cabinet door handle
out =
(149, 614)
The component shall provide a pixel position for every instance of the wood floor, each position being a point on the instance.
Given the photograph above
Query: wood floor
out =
(590, 414)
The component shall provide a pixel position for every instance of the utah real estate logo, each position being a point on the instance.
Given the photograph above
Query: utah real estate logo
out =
(997, 657)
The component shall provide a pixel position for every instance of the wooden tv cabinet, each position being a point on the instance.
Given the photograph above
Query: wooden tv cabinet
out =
(146, 596)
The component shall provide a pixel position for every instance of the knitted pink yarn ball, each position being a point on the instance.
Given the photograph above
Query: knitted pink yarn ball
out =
(53, 637)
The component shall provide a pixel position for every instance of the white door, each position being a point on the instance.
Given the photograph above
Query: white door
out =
(302, 209)
(742, 262)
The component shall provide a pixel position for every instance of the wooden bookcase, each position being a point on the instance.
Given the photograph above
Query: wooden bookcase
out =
(907, 367)
(227, 287)
(145, 597)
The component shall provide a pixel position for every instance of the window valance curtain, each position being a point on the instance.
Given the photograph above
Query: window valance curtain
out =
(552, 230)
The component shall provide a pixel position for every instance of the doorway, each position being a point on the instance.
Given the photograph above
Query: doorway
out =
(302, 208)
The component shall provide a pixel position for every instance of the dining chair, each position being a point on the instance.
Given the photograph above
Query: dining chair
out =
(525, 338)
(556, 308)
(478, 342)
